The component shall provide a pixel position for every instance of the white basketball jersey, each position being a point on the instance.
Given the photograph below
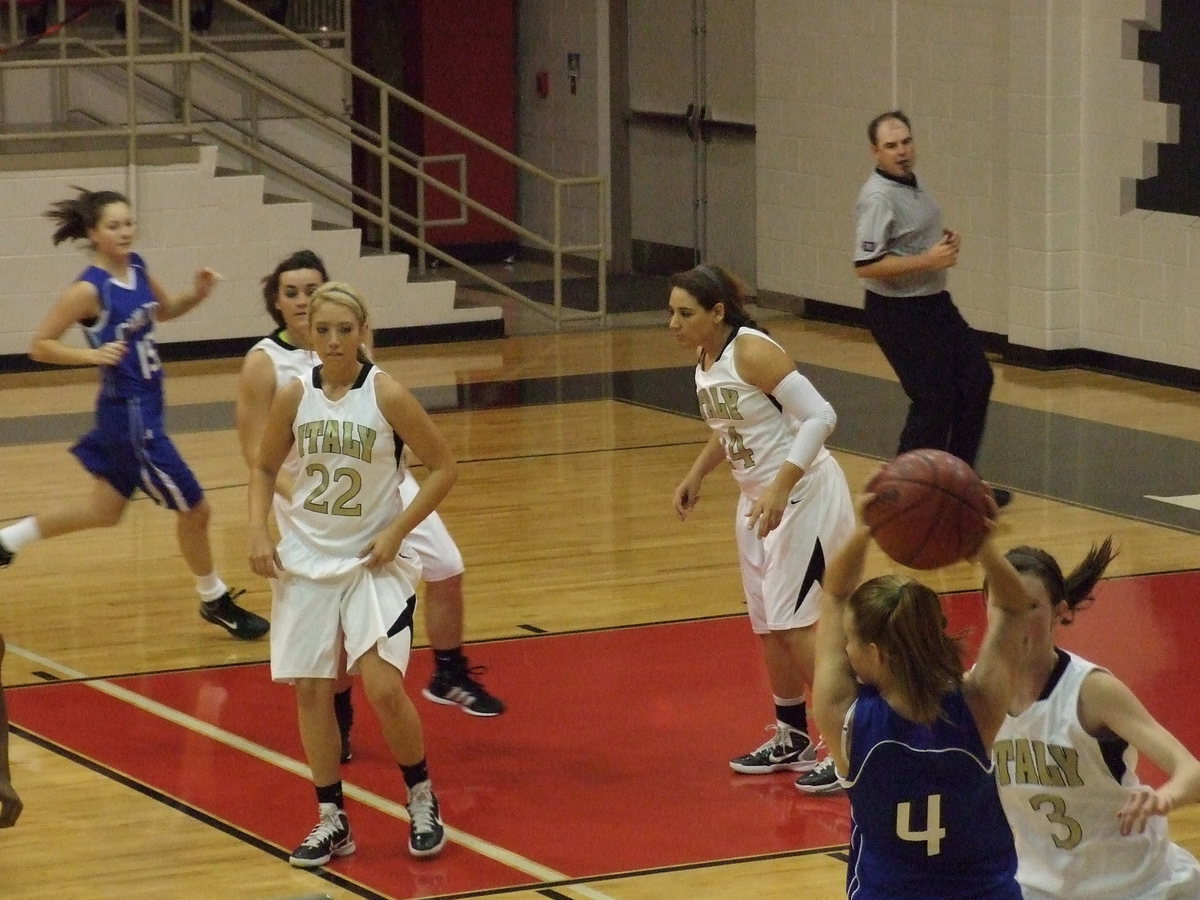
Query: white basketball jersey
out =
(756, 433)
(347, 484)
(1061, 797)
(290, 363)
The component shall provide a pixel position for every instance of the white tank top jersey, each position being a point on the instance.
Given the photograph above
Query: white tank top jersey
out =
(347, 486)
(1061, 790)
(757, 434)
(290, 363)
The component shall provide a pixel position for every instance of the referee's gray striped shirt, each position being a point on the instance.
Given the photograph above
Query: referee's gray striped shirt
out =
(892, 217)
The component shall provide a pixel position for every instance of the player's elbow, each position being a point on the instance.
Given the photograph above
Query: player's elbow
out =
(39, 351)
(828, 419)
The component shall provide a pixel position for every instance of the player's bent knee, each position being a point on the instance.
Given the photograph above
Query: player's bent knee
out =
(197, 517)
(108, 521)
(387, 694)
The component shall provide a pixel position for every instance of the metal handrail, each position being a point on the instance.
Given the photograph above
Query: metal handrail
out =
(388, 159)
(251, 76)
(252, 135)
(209, 46)
(11, 24)
(375, 219)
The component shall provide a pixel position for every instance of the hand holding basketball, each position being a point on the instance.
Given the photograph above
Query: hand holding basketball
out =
(930, 509)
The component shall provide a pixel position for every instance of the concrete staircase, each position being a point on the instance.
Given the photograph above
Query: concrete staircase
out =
(191, 214)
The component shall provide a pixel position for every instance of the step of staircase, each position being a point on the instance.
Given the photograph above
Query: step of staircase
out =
(191, 214)
(24, 154)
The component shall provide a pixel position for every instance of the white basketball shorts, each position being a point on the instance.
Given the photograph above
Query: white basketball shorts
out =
(781, 573)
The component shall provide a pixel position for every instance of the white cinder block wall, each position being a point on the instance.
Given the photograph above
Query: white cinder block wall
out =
(29, 95)
(189, 218)
(565, 134)
(1031, 126)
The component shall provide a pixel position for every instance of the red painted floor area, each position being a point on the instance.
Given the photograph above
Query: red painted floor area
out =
(612, 757)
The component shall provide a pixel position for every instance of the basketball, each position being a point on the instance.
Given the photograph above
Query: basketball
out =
(930, 509)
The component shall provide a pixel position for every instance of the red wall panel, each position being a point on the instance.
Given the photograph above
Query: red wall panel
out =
(460, 60)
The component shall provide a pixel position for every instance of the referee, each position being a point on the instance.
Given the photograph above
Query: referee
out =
(901, 253)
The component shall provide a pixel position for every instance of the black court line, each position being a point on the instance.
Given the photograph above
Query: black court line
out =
(188, 810)
(1098, 465)
(530, 632)
(839, 852)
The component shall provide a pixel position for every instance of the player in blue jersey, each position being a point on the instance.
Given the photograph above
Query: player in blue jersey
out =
(916, 732)
(118, 303)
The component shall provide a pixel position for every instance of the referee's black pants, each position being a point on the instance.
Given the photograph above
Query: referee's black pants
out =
(941, 366)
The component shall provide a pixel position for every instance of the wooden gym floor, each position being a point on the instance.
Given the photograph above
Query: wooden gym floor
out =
(156, 758)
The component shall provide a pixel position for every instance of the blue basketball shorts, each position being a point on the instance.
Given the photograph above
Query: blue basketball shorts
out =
(130, 456)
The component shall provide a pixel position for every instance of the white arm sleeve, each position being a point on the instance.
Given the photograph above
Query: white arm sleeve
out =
(803, 402)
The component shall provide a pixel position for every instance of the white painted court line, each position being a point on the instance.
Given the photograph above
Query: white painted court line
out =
(1191, 501)
(368, 798)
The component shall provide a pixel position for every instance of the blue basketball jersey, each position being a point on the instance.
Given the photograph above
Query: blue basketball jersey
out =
(127, 313)
(925, 812)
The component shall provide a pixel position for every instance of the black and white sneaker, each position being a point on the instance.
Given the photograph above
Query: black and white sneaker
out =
(788, 750)
(6, 557)
(426, 834)
(821, 780)
(456, 687)
(241, 623)
(331, 837)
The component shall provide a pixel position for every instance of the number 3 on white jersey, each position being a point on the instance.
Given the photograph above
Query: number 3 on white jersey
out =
(933, 833)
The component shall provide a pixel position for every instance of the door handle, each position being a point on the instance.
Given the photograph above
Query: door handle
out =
(705, 134)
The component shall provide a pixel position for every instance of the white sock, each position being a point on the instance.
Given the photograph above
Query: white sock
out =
(19, 535)
(210, 587)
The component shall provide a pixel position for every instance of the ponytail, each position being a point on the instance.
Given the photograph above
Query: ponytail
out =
(904, 618)
(1075, 589)
(77, 216)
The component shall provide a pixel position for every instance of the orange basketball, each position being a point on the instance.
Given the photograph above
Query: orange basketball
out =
(930, 509)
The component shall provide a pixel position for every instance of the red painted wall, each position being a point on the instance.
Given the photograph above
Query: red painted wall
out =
(460, 59)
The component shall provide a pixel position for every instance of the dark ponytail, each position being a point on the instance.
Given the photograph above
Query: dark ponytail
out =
(1074, 589)
(74, 218)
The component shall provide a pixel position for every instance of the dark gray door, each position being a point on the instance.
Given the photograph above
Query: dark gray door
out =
(691, 134)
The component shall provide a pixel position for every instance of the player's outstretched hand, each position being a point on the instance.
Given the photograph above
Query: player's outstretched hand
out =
(861, 502)
(1140, 804)
(204, 281)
